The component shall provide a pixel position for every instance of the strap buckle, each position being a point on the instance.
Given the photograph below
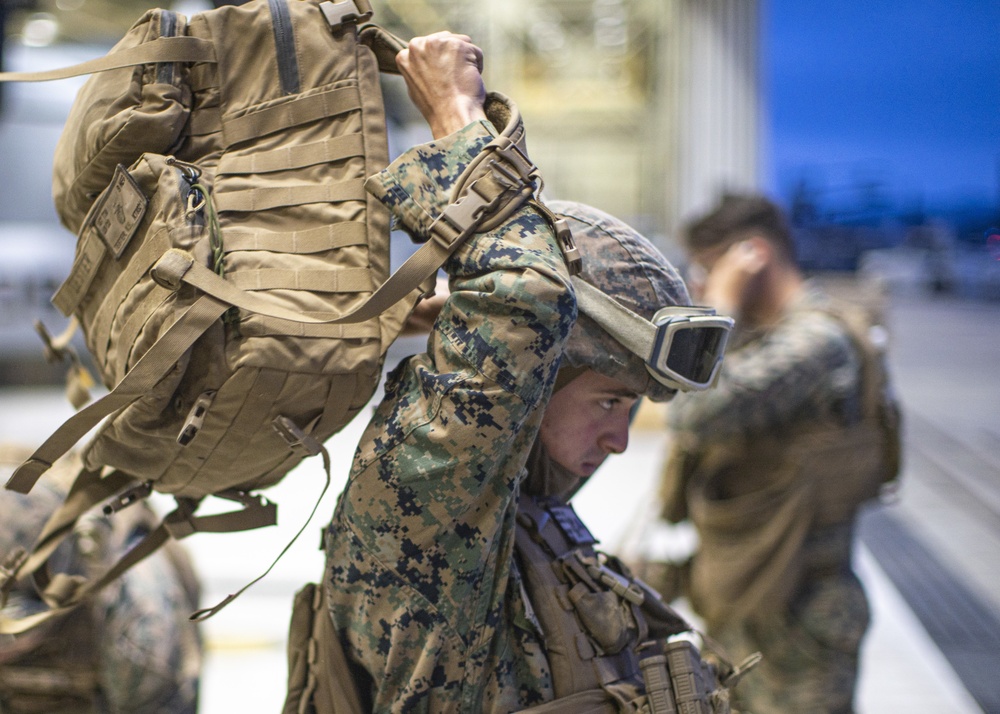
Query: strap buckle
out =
(295, 437)
(196, 417)
(340, 13)
(128, 497)
(461, 218)
(618, 584)
(571, 254)
(507, 149)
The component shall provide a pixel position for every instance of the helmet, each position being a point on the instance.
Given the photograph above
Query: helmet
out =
(636, 324)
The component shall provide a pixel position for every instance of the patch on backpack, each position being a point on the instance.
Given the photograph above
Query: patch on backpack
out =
(119, 211)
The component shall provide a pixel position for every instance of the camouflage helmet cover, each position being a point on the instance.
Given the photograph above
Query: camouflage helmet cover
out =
(626, 266)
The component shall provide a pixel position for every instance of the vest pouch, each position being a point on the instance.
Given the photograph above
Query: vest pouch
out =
(845, 467)
(319, 678)
(604, 617)
(752, 530)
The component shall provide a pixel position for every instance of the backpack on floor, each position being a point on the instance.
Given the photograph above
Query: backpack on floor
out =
(232, 273)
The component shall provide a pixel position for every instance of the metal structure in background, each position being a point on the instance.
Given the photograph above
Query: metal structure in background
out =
(645, 108)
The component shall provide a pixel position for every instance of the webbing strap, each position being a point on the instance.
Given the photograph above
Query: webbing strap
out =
(204, 121)
(262, 326)
(300, 110)
(135, 268)
(632, 330)
(140, 314)
(176, 266)
(313, 240)
(88, 260)
(261, 199)
(149, 370)
(291, 432)
(343, 280)
(384, 45)
(257, 512)
(162, 49)
(293, 157)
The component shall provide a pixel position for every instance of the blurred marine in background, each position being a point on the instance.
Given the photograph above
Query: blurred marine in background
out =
(129, 650)
(772, 465)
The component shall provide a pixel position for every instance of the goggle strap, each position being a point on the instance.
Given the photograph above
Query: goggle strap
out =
(633, 331)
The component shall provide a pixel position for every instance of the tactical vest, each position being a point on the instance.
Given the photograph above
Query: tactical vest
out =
(759, 503)
(605, 632)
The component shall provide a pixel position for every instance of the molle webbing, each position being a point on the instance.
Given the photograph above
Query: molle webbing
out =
(597, 625)
(232, 275)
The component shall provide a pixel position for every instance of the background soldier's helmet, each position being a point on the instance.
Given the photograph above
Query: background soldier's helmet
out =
(626, 266)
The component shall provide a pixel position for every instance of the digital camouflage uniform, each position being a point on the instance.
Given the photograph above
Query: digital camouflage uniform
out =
(803, 374)
(131, 649)
(419, 550)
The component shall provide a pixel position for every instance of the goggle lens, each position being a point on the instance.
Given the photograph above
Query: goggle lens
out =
(695, 351)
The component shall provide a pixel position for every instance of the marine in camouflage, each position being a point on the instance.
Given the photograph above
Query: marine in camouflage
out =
(803, 372)
(131, 649)
(419, 552)
(805, 369)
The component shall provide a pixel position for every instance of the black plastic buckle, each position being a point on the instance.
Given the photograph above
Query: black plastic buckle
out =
(128, 497)
(195, 418)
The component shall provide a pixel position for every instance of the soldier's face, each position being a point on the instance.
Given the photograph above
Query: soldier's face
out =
(587, 420)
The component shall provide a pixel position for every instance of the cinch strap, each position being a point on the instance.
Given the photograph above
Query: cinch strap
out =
(162, 49)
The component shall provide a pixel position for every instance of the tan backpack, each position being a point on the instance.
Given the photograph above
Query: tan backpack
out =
(232, 274)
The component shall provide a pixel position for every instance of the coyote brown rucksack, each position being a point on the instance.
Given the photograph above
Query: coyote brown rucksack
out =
(231, 275)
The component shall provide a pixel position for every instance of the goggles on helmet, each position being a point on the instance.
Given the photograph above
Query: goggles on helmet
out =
(682, 346)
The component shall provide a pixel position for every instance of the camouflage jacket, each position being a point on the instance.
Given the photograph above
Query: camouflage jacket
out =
(804, 370)
(420, 573)
(760, 463)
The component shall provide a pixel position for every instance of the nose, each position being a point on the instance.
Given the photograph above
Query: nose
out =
(614, 440)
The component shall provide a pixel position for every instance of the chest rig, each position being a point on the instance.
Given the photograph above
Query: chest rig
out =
(602, 629)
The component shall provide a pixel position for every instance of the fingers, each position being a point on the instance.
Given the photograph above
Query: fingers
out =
(443, 74)
(437, 51)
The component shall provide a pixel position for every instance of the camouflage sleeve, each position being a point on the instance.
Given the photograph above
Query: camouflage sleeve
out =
(798, 369)
(417, 186)
(420, 547)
